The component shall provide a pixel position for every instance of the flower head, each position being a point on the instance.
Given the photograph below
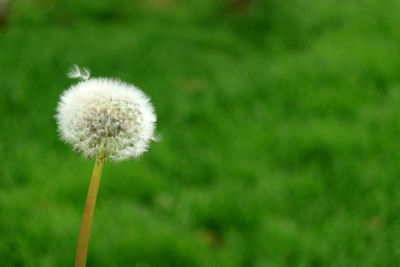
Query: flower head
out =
(105, 115)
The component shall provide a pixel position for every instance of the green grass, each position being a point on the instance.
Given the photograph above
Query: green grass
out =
(280, 131)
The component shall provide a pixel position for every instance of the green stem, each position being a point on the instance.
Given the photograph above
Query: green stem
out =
(84, 235)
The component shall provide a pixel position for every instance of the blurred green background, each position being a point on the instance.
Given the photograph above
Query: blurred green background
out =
(279, 121)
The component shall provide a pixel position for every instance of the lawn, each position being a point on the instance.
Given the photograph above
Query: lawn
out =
(279, 125)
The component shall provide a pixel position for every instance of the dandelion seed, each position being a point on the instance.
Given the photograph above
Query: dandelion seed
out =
(75, 73)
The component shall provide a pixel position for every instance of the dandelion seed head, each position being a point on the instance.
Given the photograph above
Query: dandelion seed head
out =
(106, 115)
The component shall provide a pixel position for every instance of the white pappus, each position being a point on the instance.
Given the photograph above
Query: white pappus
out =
(104, 115)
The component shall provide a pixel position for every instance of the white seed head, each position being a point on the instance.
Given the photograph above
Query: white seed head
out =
(106, 115)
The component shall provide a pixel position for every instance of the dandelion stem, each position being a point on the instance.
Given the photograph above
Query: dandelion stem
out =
(84, 235)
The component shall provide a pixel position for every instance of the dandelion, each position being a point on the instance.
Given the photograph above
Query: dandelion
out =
(106, 119)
